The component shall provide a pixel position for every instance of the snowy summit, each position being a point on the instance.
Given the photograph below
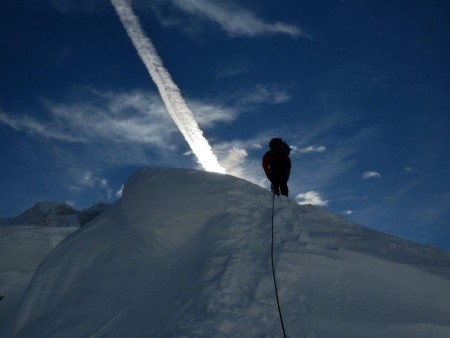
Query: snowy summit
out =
(186, 253)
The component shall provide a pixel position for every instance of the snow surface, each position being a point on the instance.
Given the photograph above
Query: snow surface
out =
(24, 242)
(22, 248)
(186, 253)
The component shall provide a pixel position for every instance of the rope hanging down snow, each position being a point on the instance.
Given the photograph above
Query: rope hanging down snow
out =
(273, 271)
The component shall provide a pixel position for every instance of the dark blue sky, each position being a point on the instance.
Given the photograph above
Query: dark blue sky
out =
(359, 88)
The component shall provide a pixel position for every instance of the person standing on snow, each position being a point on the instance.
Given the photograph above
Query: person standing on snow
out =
(277, 166)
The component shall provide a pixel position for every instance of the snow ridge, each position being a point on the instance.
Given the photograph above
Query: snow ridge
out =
(186, 253)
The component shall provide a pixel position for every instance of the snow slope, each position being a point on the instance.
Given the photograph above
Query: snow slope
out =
(22, 248)
(24, 242)
(186, 253)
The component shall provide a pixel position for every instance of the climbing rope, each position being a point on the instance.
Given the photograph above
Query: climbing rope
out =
(273, 271)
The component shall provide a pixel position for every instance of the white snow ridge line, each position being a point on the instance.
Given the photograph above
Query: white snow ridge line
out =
(170, 93)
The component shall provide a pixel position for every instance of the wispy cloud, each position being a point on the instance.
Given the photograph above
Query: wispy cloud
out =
(87, 180)
(272, 94)
(311, 197)
(233, 70)
(234, 20)
(132, 117)
(312, 149)
(70, 6)
(242, 158)
(370, 174)
(209, 114)
(33, 126)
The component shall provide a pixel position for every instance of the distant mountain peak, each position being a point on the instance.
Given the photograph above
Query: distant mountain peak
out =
(55, 214)
(47, 207)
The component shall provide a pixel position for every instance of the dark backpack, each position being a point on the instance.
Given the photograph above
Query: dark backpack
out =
(279, 146)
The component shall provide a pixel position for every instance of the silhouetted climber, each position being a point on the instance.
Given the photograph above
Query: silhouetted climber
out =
(277, 165)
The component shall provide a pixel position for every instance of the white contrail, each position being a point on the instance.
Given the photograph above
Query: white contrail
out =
(170, 94)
